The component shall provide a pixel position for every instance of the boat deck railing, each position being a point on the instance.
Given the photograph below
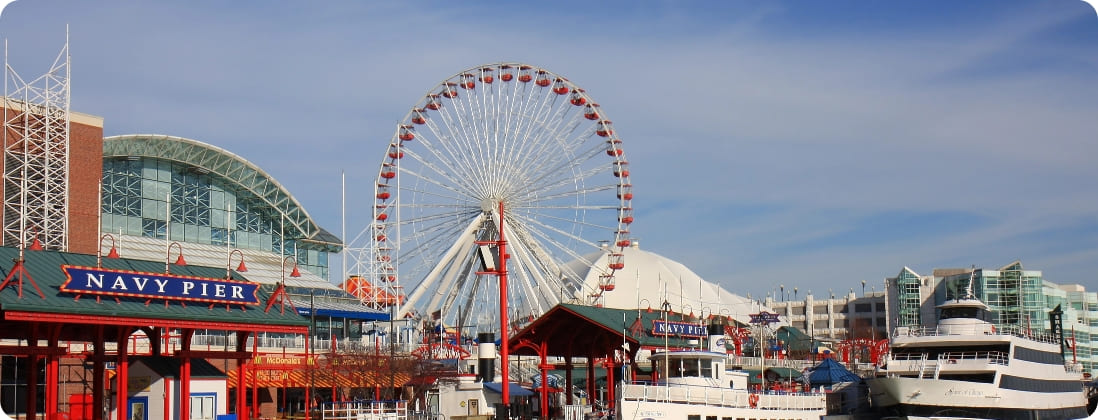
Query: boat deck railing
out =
(992, 357)
(1006, 330)
(723, 397)
(364, 410)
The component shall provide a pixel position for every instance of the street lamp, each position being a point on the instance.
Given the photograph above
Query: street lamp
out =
(178, 261)
(794, 293)
(294, 273)
(863, 288)
(782, 287)
(112, 254)
(229, 263)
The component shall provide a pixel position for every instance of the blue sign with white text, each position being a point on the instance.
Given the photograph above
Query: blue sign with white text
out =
(102, 281)
(681, 329)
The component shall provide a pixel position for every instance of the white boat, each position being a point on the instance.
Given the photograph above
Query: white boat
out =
(694, 384)
(966, 368)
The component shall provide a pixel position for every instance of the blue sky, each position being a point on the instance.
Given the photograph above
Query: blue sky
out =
(813, 145)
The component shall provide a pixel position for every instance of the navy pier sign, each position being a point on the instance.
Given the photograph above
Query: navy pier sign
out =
(102, 281)
(765, 318)
(682, 329)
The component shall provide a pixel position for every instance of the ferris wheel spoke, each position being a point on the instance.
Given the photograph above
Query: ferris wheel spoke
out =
(546, 278)
(547, 263)
(458, 185)
(540, 229)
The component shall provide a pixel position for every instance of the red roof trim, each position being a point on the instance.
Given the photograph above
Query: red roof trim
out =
(142, 322)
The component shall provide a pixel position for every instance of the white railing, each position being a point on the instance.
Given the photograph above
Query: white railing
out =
(723, 397)
(364, 410)
(1006, 330)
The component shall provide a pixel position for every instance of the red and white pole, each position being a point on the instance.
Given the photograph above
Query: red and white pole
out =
(504, 353)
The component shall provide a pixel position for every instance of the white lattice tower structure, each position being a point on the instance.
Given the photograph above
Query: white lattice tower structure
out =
(36, 155)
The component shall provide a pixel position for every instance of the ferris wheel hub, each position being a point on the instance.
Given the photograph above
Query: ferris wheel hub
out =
(489, 205)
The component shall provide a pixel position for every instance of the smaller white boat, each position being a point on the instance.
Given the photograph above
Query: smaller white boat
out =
(693, 384)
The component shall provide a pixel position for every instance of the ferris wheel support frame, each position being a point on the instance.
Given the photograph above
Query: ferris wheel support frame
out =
(433, 275)
(451, 276)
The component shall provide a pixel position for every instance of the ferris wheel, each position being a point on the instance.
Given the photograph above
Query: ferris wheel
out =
(510, 136)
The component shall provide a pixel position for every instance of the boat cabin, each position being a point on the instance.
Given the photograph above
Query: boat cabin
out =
(702, 368)
(964, 317)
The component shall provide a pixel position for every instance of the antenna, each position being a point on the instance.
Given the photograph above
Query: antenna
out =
(968, 288)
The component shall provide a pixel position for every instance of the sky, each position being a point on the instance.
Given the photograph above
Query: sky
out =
(806, 144)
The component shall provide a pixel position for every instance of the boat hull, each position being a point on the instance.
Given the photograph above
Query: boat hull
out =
(898, 396)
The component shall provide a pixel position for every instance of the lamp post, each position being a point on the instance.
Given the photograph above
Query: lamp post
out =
(782, 287)
(229, 263)
(99, 253)
(178, 261)
(294, 273)
(863, 288)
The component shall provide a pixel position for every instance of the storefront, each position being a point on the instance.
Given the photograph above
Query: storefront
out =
(65, 316)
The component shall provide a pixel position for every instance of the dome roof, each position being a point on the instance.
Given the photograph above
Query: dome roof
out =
(648, 280)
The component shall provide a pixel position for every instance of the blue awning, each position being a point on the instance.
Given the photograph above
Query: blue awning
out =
(343, 310)
(516, 390)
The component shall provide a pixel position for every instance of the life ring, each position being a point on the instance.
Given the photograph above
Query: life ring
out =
(753, 400)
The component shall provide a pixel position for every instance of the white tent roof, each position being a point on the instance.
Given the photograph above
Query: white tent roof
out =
(649, 280)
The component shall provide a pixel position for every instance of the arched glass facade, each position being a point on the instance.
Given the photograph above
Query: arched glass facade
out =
(205, 209)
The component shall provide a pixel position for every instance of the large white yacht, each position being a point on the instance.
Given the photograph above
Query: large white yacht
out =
(694, 384)
(966, 368)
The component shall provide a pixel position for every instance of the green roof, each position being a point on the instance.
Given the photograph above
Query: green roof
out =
(44, 269)
(568, 329)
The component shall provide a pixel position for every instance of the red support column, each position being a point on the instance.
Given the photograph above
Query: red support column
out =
(610, 382)
(122, 373)
(98, 374)
(309, 366)
(242, 377)
(241, 388)
(32, 373)
(255, 379)
(544, 367)
(52, 369)
(185, 374)
(167, 399)
(591, 391)
(568, 380)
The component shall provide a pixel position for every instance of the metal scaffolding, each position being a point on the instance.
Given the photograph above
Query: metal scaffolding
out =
(36, 155)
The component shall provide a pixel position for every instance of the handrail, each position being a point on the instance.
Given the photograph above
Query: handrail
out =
(1006, 330)
(723, 397)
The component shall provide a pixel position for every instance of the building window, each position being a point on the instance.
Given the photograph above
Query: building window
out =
(203, 406)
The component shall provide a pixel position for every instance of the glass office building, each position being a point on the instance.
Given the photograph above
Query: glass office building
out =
(214, 197)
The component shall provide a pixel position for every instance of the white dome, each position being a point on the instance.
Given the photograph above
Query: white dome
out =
(649, 280)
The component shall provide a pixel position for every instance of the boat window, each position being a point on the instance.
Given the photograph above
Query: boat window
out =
(948, 313)
(707, 368)
(689, 367)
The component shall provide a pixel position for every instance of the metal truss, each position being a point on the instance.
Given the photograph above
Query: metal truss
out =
(36, 155)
